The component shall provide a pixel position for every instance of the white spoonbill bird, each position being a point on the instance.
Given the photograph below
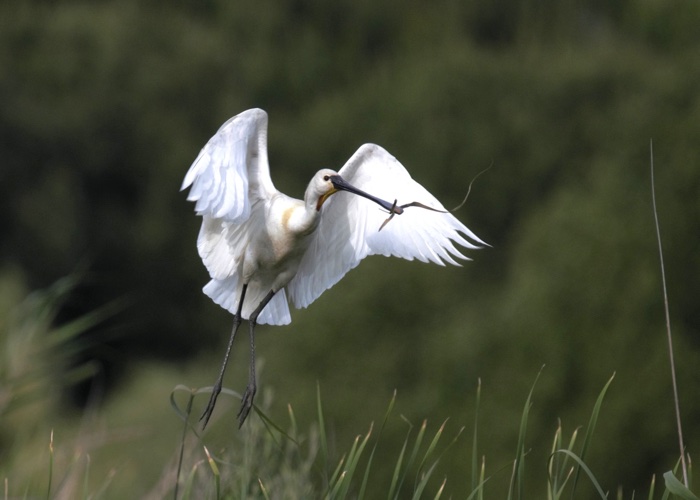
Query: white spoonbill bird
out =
(264, 249)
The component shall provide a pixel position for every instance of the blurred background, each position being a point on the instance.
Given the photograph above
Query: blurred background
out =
(106, 104)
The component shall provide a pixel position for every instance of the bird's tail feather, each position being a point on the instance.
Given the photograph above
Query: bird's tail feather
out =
(227, 292)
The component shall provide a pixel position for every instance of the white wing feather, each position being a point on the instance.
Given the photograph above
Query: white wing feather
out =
(230, 182)
(349, 227)
(231, 169)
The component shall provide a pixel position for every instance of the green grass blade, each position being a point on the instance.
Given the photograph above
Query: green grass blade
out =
(572, 441)
(479, 489)
(414, 451)
(482, 478)
(667, 315)
(335, 478)
(189, 483)
(353, 460)
(292, 421)
(564, 482)
(270, 425)
(560, 474)
(437, 436)
(516, 481)
(591, 427)
(441, 489)
(585, 468)
(412, 457)
(184, 415)
(335, 491)
(431, 446)
(340, 488)
(419, 441)
(677, 488)
(423, 482)
(322, 431)
(72, 329)
(553, 465)
(393, 489)
(215, 471)
(263, 489)
(339, 476)
(559, 470)
(363, 488)
(475, 455)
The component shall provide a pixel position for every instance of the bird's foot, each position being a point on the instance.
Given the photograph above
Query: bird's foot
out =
(246, 404)
(210, 406)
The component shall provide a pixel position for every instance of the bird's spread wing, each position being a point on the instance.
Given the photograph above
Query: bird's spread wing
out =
(349, 227)
(230, 183)
(232, 169)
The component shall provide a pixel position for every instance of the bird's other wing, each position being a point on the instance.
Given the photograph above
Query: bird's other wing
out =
(349, 226)
(232, 170)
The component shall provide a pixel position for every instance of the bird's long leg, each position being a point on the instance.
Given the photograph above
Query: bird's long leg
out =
(217, 387)
(247, 402)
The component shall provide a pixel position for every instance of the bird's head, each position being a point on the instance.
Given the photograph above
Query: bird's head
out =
(327, 182)
(321, 187)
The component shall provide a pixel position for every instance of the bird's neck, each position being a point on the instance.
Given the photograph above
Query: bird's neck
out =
(301, 219)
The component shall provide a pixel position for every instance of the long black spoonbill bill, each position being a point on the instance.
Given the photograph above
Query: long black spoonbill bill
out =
(264, 249)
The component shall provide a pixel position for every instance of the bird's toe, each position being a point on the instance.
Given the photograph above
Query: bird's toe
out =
(246, 405)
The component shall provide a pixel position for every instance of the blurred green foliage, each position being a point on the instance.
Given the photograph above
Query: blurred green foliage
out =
(105, 104)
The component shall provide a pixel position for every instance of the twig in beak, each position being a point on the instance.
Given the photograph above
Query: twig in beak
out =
(399, 210)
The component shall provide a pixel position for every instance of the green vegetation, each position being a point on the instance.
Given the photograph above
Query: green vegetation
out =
(105, 104)
(263, 460)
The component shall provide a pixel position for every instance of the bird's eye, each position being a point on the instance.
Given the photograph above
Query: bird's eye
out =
(326, 177)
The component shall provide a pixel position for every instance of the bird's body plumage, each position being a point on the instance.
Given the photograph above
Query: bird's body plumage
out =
(264, 249)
